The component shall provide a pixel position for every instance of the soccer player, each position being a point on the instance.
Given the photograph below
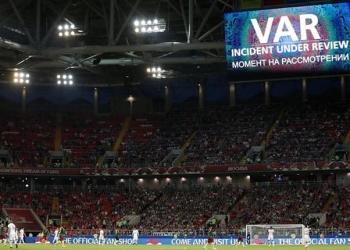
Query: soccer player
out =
(16, 236)
(11, 230)
(61, 233)
(55, 236)
(270, 239)
(21, 236)
(101, 237)
(45, 236)
(307, 240)
(135, 236)
(3, 234)
(210, 239)
(240, 240)
(116, 242)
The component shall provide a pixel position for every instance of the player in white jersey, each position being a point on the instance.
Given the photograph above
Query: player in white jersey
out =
(135, 236)
(16, 236)
(55, 236)
(270, 240)
(21, 236)
(101, 237)
(307, 240)
(11, 230)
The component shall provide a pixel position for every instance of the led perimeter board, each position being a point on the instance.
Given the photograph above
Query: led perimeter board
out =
(288, 42)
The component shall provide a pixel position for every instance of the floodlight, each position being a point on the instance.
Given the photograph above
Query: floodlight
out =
(21, 77)
(149, 26)
(67, 30)
(156, 72)
(65, 79)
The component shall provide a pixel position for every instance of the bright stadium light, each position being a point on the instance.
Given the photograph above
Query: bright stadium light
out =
(155, 72)
(21, 77)
(65, 79)
(149, 26)
(66, 30)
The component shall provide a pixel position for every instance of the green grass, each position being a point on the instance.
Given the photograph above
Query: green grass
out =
(176, 247)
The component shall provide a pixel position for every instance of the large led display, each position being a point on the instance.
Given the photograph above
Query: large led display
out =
(285, 41)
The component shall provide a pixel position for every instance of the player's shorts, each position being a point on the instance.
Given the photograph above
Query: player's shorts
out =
(240, 239)
(61, 238)
(2, 236)
(210, 240)
(116, 237)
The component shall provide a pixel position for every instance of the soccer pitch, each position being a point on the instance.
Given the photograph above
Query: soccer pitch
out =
(177, 247)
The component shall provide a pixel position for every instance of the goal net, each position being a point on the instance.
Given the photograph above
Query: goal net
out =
(283, 233)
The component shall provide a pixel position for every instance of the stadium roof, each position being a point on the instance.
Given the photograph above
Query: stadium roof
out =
(105, 49)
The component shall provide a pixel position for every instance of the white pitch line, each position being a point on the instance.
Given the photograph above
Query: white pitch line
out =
(172, 248)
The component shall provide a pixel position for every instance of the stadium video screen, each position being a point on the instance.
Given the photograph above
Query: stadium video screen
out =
(269, 43)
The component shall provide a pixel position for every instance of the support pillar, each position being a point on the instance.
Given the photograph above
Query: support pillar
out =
(200, 97)
(304, 90)
(342, 89)
(267, 93)
(167, 103)
(95, 101)
(232, 94)
(24, 100)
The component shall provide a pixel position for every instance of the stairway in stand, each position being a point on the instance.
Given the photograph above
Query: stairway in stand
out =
(24, 218)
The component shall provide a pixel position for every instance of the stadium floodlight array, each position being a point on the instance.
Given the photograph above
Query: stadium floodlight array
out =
(65, 79)
(149, 26)
(66, 30)
(155, 72)
(258, 233)
(21, 77)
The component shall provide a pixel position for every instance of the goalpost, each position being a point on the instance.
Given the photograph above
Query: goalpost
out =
(282, 233)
